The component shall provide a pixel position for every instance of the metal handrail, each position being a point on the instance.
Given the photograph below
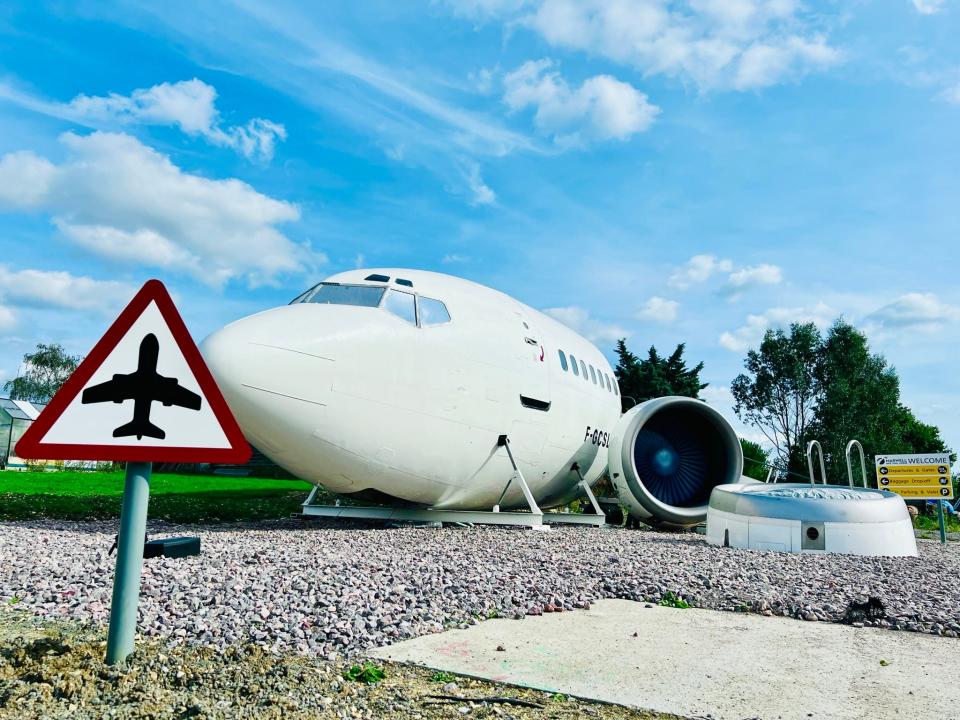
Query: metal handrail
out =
(863, 462)
(823, 469)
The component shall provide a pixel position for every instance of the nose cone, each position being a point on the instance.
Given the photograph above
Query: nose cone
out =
(267, 380)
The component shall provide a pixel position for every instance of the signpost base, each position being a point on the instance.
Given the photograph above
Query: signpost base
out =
(126, 581)
(943, 522)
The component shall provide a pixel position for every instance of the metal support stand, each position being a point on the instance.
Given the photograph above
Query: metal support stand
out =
(588, 491)
(504, 441)
(126, 580)
(943, 522)
(535, 518)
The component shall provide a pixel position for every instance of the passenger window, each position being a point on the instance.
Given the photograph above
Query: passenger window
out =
(563, 360)
(607, 378)
(583, 368)
(616, 390)
(402, 305)
(573, 361)
(593, 375)
(433, 312)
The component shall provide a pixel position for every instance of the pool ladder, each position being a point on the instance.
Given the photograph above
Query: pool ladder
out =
(823, 471)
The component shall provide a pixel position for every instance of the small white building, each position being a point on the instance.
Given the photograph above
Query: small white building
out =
(15, 418)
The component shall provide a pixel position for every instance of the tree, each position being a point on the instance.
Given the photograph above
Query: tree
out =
(47, 368)
(755, 460)
(860, 398)
(802, 386)
(778, 393)
(655, 376)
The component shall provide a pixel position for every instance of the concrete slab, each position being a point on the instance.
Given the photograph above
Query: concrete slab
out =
(700, 663)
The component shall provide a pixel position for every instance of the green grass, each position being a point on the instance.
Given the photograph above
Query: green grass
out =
(930, 522)
(443, 677)
(77, 495)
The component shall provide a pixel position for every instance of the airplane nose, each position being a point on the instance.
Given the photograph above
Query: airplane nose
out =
(261, 370)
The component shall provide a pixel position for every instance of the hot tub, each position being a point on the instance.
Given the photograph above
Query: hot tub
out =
(792, 517)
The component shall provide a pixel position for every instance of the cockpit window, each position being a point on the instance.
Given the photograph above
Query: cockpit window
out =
(336, 294)
(433, 312)
(402, 305)
(302, 297)
(405, 283)
(377, 278)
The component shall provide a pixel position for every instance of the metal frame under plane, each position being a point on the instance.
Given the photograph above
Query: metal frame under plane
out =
(534, 518)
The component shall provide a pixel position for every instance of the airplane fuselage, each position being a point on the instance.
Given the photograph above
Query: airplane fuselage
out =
(361, 398)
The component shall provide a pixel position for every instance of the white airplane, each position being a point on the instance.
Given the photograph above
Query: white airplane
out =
(396, 386)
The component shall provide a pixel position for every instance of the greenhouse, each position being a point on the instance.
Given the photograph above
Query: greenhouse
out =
(15, 418)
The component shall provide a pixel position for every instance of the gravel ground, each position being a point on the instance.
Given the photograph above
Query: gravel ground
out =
(330, 591)
(58, 672)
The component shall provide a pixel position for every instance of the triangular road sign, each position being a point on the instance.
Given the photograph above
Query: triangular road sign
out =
(143, 394)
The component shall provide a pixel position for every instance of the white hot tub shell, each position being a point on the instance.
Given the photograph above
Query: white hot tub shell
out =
(793, 517)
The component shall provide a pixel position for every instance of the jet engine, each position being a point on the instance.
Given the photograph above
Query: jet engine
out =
(665, 457)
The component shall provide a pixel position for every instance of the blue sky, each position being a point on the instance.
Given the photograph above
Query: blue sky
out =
(690, 171)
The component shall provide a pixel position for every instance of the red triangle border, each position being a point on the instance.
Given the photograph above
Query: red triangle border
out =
(30, 446)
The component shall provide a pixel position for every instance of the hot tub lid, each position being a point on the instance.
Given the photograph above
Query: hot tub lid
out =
(809, 503)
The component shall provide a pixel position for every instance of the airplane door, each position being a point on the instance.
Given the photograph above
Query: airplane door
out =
(534, 372)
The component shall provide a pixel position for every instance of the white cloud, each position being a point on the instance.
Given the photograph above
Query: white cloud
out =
(453, 258)
(59, 289)
(696, 270)
(751, 276)
(762, 64)
(25, 179)
(701, 268)
(659, 310)
(740, 44)
(951, 94)
(189, 105)
(122, 200)
(919, 311)
(751, 333)
(481, 193)
(485, 9)
(717, 395)
(602, 108)
(928, 7)
(483, 79)
(7, 319)
(579, 320)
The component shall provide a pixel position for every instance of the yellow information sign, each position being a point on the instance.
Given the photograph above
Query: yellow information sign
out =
(919, 476)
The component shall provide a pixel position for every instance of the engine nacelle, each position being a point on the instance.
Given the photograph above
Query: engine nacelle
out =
(667, 454)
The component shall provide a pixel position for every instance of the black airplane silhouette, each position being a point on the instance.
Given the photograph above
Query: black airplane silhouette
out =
(144, 386)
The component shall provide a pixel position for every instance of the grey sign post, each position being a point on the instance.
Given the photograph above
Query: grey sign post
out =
(126, 580)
